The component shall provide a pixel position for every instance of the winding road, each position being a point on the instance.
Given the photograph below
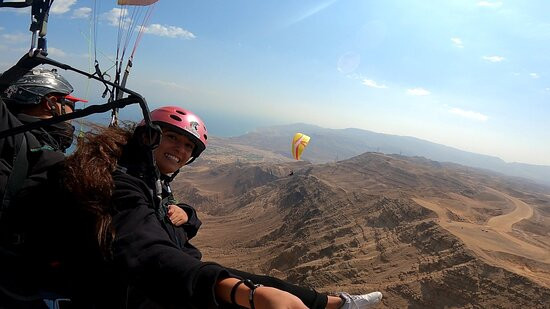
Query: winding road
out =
(497, 235)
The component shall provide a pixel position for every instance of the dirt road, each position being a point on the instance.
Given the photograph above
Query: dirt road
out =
(497, 236)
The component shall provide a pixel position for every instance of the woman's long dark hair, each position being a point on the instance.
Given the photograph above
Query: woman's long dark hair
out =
(88, 175)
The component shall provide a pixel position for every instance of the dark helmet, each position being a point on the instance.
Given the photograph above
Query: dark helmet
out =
(34, 85)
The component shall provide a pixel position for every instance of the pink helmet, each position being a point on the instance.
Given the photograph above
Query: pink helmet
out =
(184, 122)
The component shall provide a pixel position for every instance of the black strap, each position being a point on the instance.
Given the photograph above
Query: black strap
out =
(18, 172)
(162, 210)
(234, 290)
(252, 288)
(15, 4)
(251, 297)
(92, 109)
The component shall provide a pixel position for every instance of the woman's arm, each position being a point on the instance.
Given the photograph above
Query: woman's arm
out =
(264, 297)
(145, 251)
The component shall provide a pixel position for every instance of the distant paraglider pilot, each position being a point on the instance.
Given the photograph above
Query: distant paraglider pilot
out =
(299, 143)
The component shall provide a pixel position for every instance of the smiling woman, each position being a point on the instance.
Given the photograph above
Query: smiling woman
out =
(184, 138)
(174, 151)
(145, 237)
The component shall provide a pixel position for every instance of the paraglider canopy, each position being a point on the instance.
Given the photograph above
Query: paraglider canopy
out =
(299, 143)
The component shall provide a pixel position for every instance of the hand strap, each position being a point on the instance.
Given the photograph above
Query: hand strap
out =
(252, 288)
(251, 297)
(234, 290)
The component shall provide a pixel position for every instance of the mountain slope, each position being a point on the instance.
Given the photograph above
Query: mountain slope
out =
(328, 145)
(419, 230)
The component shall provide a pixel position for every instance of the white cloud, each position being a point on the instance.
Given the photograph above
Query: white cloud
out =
(373, 84)
(310, 12)
(61, 6)
(1, 28)
(83, 12)
(468, 114)
(19, 11)
(56, 52)
(10, 49)
(168, 31)
(418, 92)
(169, 84)
(489, 4)
(16, 37)
(116, 15)
(534, 75)
(493, 58)
(457, 42)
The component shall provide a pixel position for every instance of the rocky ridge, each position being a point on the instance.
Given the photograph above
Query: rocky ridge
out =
(355, 225)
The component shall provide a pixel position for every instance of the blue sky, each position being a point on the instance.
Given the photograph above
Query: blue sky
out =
(467, 74)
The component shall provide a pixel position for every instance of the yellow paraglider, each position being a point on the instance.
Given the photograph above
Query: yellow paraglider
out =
(299, 143)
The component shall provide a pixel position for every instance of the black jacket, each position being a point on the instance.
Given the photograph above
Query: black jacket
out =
(180, 235)
(59, 253)
(167, 272)
(38, 160)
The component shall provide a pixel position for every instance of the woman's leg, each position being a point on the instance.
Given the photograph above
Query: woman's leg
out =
(309, 297)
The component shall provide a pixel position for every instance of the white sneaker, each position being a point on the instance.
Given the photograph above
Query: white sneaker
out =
(360, 301)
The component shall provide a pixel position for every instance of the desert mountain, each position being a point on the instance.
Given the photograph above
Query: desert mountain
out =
(331, 145)
(426, 234)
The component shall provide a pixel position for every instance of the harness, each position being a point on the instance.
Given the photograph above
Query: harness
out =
(160, 203)
(162, 212)
(19, 172)
(24, 145)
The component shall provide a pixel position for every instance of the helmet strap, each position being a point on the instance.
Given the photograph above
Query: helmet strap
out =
(63, 103)
(190, 160)
(52, 106)
(174, 174)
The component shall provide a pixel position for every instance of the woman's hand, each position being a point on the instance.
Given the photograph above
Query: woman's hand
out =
(272, 298)
(177, 215)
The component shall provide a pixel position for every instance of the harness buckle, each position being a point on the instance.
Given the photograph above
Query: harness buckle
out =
(17, 239)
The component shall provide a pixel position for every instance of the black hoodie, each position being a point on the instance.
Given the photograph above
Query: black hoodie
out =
(157, 263)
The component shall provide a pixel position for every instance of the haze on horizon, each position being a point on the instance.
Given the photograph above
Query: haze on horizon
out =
(466, 74)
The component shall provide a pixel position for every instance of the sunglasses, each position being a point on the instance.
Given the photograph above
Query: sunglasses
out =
(64, 101)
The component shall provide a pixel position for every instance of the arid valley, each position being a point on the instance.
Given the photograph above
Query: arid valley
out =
(427, 234)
